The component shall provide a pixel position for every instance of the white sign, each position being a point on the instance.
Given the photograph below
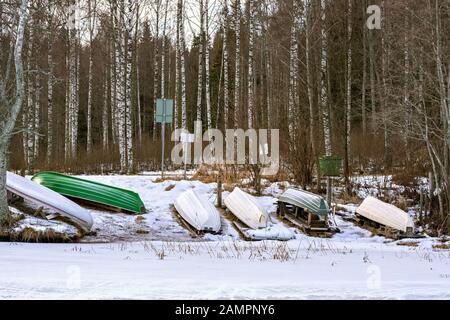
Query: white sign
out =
(187, 137)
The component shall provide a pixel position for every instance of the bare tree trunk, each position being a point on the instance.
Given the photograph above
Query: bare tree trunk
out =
(10, 110)
(182, 65)
(73, 82)
(177, 73)
(105, 121)
(121, 65)
(348, 127)
(364, 78)
(128, 86)
(406, 88)
(293, 76)
(201, 58)
(226, 62)
(251, 64)
(207, 67)
(28, 115)
(138, 77)
(163, 53)
(37, 114)
(50, 82)
(384, 67)
(324, 90)
(92, 7)
(156, 62)
(372, 82)
(309, 83)
(237, 80)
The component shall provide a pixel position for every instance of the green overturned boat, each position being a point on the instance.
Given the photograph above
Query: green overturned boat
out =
(92, 193)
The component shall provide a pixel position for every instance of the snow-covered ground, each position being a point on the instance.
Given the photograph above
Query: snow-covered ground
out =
(308, 269)
(153, 257)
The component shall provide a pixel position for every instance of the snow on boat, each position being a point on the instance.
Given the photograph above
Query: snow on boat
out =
(41, 195)
(198, 211)
(246, 208)
(386, 215)
(304, 209)
(91, 192)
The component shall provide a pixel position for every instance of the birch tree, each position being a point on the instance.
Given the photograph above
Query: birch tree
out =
(50, 79)
(207, 67)
(226, 75)
(348, 113)
(128, 85)
(182, 49)
(237, 56)
(10, 105)
(293, 73)
(324, 100)
(201, 58)
(251, 63)
(156, 59)
(73, 81)
(92, 16)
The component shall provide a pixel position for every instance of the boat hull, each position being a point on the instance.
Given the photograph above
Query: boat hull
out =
(94, 193)
(385, 214)
(41, 195)
(246, 208)
(198, 211)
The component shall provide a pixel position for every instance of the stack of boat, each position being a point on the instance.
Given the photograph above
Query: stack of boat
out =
(305, 210)
(59, 193)
(49, 199)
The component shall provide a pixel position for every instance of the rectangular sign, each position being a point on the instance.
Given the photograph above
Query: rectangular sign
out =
(187, 137)
(164, 111)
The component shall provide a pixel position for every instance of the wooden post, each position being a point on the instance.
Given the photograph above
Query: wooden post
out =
(219, 190)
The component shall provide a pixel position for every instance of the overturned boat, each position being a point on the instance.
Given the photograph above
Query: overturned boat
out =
(49, 199)
(305, 210)
(198, 212)
(384, 219)
(246, 209)
(253, 221)
(91, 193)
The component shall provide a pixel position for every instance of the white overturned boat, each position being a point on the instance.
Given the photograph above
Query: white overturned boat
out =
(198, 211)
(386, 214)
(246, 208)
(47, 198)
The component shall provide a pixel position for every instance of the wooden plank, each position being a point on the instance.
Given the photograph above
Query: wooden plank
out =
(193, 232)
(242, 230)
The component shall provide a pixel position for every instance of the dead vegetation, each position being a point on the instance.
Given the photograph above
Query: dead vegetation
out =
(254, 251)
(31, 235)
(442, 246)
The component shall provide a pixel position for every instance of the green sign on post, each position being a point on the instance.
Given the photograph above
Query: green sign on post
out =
(164, 111)
(330, 166)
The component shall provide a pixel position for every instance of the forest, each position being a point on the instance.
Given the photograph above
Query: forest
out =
(368, 81)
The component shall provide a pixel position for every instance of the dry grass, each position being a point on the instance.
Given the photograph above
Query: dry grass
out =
(241, 250)
(408, 244)
(31, 235)
(345, 198)
(139, 219)
(169, 178)
(169, 188)
(443, 246)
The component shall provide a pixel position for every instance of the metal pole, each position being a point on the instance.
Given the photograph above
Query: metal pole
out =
(185, 158)
(163, 135)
